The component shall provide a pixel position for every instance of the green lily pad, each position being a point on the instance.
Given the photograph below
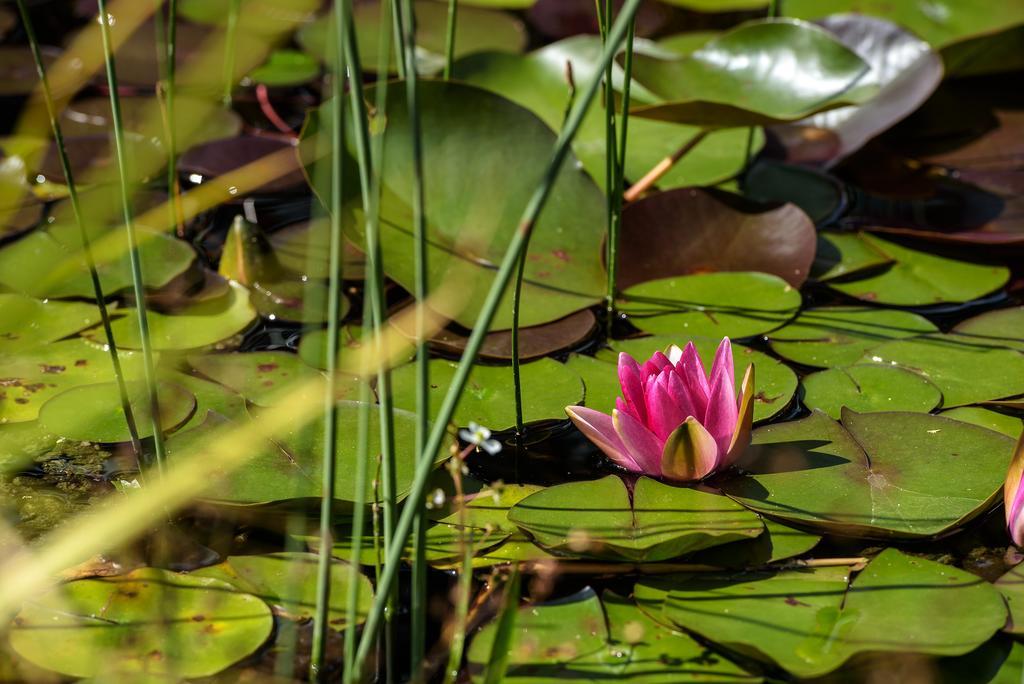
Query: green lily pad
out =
(1011, 426)
(735, 78)
(920, 279)
(774, 382)
(93, 413)
(738, 304)
(21, 443)
(965, 372)
(564, 271)
(943, 23)
(537, 81)
(294, 300)
(832, 336)
(287, 581)
(476, 30)
(489, 509)
(262, 377)
(27, 322)
(203, 324)
(879, 475)
(30, 378)
(575, 639)
(809, 623)
(843, 254)
(210, 397)
(869, 387)
(50, 263)
(304, 249)
(489, 400)
(1011, 586)
(149, 621)
(1001, 328)
(599, 519)
(290, 466)
(285, 68)
(445, 543)
(778, 542)
(313, 346)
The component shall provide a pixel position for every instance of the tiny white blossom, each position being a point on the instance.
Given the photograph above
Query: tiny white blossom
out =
(124, 486)
(436, 499)
(480, 437)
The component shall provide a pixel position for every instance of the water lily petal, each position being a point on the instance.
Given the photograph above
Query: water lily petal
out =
(723, 363)
(690, 453)
(691, 370)
(599, 429)
(632, 386)
(722, 412)
(1013, 495)
(663, 411)
(641, 444)
(654, 365)
(674, 354)
(744, 425)
(681, 396)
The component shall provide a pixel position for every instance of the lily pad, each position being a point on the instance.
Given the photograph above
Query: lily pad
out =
(149, 621)
(738, 78)
(547, 388)
(776, 383)
(711, 232)
(26, 323)
(964, 371)
(1010, 426)
(57, 253)
(294, 300)
(778, 542)
(1011, 586)
(810, 623)
(869, 387)
(599, 519)
(879, 475)
(918, 278)
(203, 324)
(843, 254)
(313, 346)
(740, 304)
(538, 82)
(261, 377)
(476, 30)
(952, 25)
(302, 248)
(210, 397)
(287, 581)
(290, 466)
(1000, 328)
(285, 68)
(93, 412)
(30, 378)
(468, 233)
(831, 336)
(575, 639)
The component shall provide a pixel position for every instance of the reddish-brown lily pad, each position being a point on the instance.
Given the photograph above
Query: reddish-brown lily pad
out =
(695, 231)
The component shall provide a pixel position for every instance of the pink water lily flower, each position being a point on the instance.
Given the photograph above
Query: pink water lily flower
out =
(673, 420)
(1013, 495)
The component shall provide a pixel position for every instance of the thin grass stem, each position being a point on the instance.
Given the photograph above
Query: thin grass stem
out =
(615, 192)
(138, 286)
(90, 261)
(502, 278)
(497, 662)
(449, 38)
(418, 615)
(230, 43)
(321, 623)
(169, 93)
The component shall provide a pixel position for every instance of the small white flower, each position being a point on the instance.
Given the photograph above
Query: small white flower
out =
(124, 486)
(480, 437)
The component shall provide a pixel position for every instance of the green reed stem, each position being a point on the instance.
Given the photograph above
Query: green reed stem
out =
(449, 38)
(611, 163)
(497, 662)
(616, 189)
(170, 69)
(374, 293)
(398, 24)
(502, 278)
(138, 286)
(458, 641)
(230, 42)
(321, 623)
(90, 261)
(418, 614)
